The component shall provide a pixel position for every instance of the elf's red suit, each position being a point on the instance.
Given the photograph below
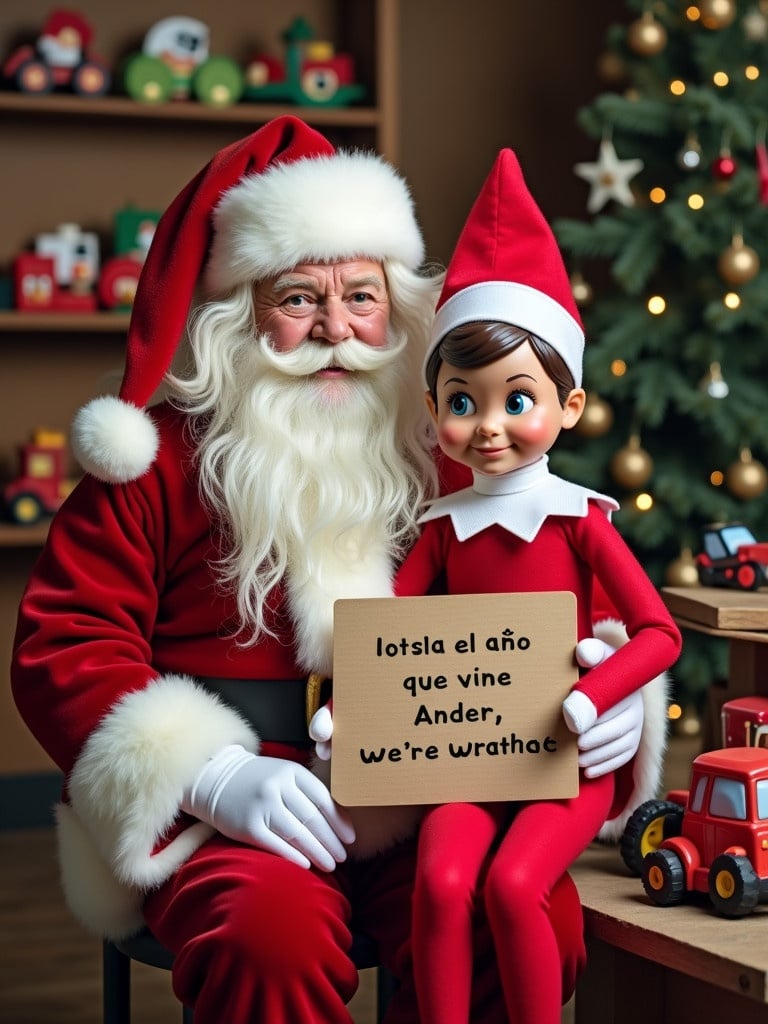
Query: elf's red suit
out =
(560, 552)
(121, 616)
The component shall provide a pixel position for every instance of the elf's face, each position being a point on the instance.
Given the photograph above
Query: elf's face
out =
(327, 303)
(502, 416)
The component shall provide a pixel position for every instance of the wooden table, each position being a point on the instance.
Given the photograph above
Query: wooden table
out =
(671, 965)
(741, 618)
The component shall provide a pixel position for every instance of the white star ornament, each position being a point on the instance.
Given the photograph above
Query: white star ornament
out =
(609, 178)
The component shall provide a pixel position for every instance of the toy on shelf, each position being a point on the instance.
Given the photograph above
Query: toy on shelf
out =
(732, 558)
(59, 59)
(41, 486)
(744, 722)
(64, 275)
(175, 64)
(312, 74)
(61, 274)
(119, 277)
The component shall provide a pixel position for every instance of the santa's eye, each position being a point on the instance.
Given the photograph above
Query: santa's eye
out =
(519, 402)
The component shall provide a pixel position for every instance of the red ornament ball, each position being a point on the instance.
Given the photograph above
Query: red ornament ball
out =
(724, 168)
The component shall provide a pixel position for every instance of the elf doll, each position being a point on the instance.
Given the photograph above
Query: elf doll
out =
(503, 376)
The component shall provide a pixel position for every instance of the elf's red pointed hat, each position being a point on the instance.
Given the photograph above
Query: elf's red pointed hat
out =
(279, 197)
(507, 267)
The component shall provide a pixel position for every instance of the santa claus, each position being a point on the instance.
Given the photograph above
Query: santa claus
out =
(186, 589)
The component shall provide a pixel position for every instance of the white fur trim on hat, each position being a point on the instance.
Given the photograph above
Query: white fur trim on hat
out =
(345, 206)
(114, 440)
(518, 304)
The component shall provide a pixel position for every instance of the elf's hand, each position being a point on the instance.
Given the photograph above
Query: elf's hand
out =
(321, 730)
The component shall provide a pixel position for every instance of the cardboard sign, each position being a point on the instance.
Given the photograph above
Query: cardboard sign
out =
(441, 699)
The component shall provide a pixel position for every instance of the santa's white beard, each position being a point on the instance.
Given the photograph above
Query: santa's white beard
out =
(309, 477)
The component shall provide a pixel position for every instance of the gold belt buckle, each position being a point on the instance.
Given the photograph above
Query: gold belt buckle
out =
(314, 693)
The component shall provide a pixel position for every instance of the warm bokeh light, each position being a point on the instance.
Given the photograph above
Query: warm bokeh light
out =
(657, 194)
(674, 711)
(721, 79)
(618, 367)
(716, 478)
(692, 12)
(731, 300)
(643, 502)
(656, 305)
(751, 72)
(677, 87)
(695, 201)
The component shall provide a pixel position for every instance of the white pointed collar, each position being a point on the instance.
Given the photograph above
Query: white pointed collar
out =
(519, 501)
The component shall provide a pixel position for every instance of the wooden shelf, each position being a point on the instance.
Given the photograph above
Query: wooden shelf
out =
(100, 322)
(121, 107)
(12, 536)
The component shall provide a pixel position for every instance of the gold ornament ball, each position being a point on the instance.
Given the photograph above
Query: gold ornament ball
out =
(597, 418)
(738, 264)
(631, 466)
(581, 290)
(646, 36)
(717, 14)
(747, 478)
(683, 572)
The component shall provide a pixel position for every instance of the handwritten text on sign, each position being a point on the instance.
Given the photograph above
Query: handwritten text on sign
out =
(438, 699)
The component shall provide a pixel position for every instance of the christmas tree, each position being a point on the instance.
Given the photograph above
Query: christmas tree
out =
(670, 270)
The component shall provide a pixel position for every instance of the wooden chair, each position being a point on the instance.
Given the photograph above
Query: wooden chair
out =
(145, 948)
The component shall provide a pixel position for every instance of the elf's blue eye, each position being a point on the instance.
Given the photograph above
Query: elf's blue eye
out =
(461, 404)
(518, 402)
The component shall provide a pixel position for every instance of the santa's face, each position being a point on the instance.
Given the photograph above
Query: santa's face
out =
(327, 303)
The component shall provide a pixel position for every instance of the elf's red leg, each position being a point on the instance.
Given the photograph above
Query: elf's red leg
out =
(453, 845)
(543, 840)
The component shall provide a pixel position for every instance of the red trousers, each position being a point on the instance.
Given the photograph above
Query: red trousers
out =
(258, 939)
(471, 856)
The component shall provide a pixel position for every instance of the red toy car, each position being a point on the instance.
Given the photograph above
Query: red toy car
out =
(713, 838)
(732, 558)
(59, 59)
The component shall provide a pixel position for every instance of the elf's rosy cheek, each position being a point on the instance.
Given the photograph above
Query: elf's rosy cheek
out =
(452, 434)
(533, 429)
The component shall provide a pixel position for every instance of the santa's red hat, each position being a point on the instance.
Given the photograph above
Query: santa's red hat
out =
(507, 267)
(279, 197)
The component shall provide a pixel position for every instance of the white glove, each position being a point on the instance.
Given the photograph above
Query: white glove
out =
(321, 730)
(615, 736)
(273, 804)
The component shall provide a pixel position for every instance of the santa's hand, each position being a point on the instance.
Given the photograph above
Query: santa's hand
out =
(321, 731)
(613, 739)
(273, 804)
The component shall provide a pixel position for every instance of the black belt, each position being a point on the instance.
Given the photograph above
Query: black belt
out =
(278, 709)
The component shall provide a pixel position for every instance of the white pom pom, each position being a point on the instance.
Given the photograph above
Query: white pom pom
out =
(113, 440)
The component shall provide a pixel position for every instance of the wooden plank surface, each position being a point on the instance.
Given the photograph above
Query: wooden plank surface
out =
(719, 608)
(691, 938)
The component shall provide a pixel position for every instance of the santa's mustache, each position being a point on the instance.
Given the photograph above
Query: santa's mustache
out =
(311, 357)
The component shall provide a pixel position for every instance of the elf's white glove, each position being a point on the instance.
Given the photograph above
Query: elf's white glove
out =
(273, 804)
(321, 731)
(614, 737)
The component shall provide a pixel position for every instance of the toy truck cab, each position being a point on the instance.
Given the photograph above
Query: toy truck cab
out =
(744, 722)
(41, 487)
(732, 558)
(722, 846)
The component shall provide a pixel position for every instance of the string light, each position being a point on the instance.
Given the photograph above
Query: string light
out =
(657, 195)
(618, 367)
(731, 300)
(720, 79)
(692, 13)
(717, 478)
(751, 72)
(656, 305)
(677, 87)
(643, 502)
(695, 201)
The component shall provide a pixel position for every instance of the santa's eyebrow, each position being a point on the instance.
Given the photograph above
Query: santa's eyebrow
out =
(293, 281)
(369, 280)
